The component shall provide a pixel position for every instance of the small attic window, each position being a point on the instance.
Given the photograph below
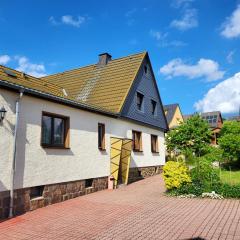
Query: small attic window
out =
(145, 69)
(153, 105)
(10, 73)
(140, 101)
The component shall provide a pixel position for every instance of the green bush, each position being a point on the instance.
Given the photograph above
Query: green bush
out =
(189, 188)
(227, 190)
(229, 140)
(214, 154)
(205, 175)
(202, 178)
(175, 174)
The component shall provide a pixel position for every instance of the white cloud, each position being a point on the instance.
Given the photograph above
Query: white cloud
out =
(53, 21)
(188, 21)
(158, 35)
(177, 43)
(4, 59)
(224, 97)
(130, 16)
(230, 56)
(231, 27)
(36, 70)
(162, 40)
(174, 43)
(180, 3)
(130, 12)
(206, 68)
(68, 20)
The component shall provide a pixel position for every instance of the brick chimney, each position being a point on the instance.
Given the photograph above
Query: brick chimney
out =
(104, 58)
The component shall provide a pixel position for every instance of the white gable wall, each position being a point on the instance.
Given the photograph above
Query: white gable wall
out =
(40, 166)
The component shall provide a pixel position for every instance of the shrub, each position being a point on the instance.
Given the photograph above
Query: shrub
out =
(205, 175)
(229, 140)
(190, 188)
(214, 154)
(192, 136)
(175, 174)
(227, 190)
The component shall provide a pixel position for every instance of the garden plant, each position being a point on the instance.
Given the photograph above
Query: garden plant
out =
(198, 174)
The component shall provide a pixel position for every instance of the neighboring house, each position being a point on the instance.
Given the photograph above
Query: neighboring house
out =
(173, 114)
(174, 118)
(63, 135)
(234, 118)
(215, 121)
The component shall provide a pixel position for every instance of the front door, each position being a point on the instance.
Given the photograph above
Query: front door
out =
(120, 159)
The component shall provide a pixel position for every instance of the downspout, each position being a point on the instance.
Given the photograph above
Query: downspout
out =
(13, 170)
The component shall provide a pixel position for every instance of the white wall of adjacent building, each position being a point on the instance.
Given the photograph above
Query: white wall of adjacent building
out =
(40, 166)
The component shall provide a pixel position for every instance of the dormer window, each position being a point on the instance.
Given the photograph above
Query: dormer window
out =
(140, 101)
(153, 105)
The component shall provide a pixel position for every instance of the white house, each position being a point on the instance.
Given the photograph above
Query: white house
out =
(60, 134)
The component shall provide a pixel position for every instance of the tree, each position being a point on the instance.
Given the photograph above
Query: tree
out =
(192, 136)
(229, 140)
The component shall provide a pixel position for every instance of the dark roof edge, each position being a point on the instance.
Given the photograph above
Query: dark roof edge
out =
(167, 107)
(56, 99)
(70, 103)
(173, 104)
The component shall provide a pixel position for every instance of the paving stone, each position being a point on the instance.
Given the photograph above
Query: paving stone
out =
(138, 211)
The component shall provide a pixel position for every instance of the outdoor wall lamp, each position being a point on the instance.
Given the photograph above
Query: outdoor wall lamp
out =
(2, 113)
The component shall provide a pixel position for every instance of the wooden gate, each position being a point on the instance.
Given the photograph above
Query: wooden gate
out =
(125, 160)
(120, 159)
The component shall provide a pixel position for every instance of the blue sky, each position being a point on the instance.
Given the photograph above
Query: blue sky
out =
(194, 45)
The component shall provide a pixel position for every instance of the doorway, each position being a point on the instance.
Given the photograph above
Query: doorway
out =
(120, 159)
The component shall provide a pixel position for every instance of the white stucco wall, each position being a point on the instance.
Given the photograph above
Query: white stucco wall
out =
(40, 166)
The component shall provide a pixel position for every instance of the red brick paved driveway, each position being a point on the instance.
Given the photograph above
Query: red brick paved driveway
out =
(138, 211)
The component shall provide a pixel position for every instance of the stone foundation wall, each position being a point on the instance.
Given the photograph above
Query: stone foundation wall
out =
(51, 194)
(136, 174)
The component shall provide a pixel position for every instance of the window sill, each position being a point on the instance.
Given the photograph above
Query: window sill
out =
(37, 198)
(55, 147)
(102, 149)
(135, 150)
(141, 112)
(155, 153)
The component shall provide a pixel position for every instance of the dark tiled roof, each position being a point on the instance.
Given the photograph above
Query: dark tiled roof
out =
(186, 117)
(169, 110)
(211, 117)
(237, 118)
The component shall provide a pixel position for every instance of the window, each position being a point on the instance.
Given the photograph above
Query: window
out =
(137, 141)
(88, 183)
(154, 144)
(55, 131)
(145, 69)
(101, 136)
(211, 119)
(140, 101)
(36, 192)
(153, 104)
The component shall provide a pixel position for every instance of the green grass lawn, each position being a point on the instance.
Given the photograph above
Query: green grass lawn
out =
(232, 177)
